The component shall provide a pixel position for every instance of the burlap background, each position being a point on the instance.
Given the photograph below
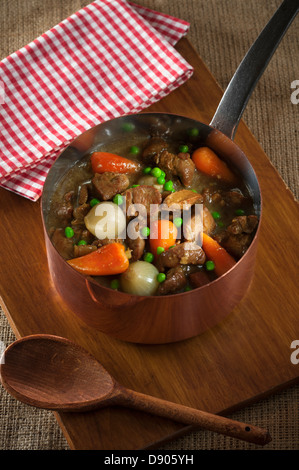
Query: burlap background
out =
(221, 31)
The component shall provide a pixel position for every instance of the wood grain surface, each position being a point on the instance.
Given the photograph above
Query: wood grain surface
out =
(239, 361)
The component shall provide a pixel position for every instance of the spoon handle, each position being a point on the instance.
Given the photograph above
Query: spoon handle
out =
(186, 415)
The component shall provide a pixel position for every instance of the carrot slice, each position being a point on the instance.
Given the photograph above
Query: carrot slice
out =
(108, 260)
(105, 161)
(222, 259)
(209, 163)
(163, 234)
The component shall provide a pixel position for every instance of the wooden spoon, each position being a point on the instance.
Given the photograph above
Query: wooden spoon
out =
(54, 373)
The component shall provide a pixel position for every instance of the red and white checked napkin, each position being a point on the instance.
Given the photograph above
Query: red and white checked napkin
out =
(109, 59)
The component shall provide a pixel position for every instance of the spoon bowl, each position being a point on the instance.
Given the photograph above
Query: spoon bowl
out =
(54, 373)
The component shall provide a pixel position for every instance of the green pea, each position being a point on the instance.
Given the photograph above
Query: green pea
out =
(134, 150)
(128, 126)
(135, 185)
(160, 250)
(216, 215)
(156, 172)
(163, 173)
(82, 242)
(94, 202)
(168, 186)
(118, 199)
(114, 284)
(220, 224)
(239, 212)
(147, 170)
(145, 231)
(187, 288)
(172, 246)
(69, 232)
(149, 257)
(194, 190)
(161, 277)
(210, 265)
(178, 221)
(161, 180)
(183, 148)
(193, 132)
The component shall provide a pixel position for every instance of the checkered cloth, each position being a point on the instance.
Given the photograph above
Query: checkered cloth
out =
(109, 59)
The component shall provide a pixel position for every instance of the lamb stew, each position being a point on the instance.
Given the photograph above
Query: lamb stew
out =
(152, 214)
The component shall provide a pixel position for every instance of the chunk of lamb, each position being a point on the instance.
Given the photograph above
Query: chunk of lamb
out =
(193, 228)
(238, 236)
(64, 210)
(79, 213)
(225, 198)
(64, 245)
(183, 199)
(107, 185)
(243, 224)
(179, 165)
(175, 281)
(141, 195)
(105, 241)
(153, 149)
(183, 253)
(67, 247)
(83, 195)
(137, 247)
(82, 250)
(235, 198)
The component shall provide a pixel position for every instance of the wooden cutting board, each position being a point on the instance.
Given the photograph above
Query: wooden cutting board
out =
(241, 360)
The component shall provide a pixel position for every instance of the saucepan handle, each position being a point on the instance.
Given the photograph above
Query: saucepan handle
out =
(242, 84)
(112, 299)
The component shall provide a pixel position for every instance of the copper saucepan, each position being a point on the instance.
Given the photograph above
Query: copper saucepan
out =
(170, 318)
